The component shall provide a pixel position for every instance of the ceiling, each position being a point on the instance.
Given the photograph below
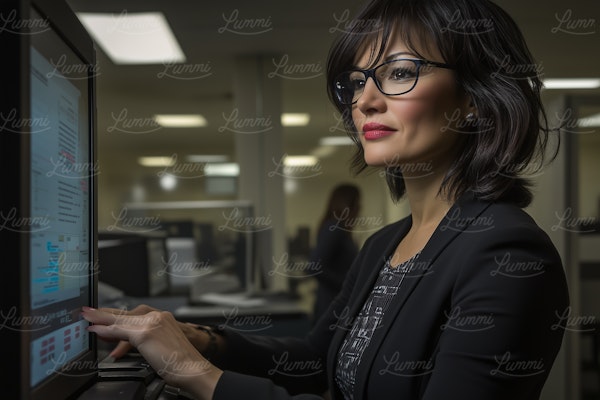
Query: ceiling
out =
(301, 32)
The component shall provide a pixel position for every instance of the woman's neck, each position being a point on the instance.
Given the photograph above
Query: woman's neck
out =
(428, 204)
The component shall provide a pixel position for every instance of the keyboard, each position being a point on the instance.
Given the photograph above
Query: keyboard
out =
(131, 378)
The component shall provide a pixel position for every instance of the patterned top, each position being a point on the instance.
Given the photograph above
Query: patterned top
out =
(368, 320)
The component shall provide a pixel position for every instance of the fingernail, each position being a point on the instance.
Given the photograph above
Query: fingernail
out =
(86, 308)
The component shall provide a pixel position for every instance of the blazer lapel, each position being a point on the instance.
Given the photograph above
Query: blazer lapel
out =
(460, 216)
(383, 250)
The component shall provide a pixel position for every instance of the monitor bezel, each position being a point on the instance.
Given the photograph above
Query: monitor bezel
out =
(15, 288)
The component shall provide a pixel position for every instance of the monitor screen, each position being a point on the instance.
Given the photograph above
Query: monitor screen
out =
(61, 170)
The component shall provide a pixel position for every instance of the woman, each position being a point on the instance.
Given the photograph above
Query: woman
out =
(455, 301)
(335, 248)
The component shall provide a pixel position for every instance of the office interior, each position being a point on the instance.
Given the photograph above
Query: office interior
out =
(247, 63)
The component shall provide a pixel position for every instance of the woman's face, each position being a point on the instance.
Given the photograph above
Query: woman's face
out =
(411, 128)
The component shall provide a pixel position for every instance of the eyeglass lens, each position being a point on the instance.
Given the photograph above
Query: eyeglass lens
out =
(392, 78)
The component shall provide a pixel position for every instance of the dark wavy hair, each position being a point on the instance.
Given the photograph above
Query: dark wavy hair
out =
(492, 65)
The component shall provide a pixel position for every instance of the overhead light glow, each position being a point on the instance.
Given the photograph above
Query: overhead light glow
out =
(134, 38)
(205, 158)
(295, 119)
(336, 141)
(300, 161)
(156, 161)
(593, 121)
(180, 120)
(580, 83)
(222, 169)
(168, 182)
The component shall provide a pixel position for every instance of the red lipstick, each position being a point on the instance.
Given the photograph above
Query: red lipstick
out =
(374, 131)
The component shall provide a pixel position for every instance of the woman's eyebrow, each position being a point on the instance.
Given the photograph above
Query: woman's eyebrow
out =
(396, 55)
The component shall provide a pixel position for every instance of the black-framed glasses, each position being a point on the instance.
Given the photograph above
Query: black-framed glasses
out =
(392, 78)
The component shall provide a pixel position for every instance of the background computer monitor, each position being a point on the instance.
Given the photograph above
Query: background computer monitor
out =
(47, 205)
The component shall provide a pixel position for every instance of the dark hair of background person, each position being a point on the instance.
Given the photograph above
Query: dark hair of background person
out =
(493, 66)
(343, 206)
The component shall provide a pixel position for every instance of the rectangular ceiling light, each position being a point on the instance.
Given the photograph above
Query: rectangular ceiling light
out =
(579, 83)
(134, 38)
(222, 169)
(205, 158)
(295, 119)
(300, 161)
(336, 141)
(180, 120)
(156, 161)
(593, 121)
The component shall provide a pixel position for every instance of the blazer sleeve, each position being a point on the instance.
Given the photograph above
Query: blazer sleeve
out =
(512, 280)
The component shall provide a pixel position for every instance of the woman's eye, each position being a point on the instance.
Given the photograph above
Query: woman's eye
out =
(357, 83)
(400, 74)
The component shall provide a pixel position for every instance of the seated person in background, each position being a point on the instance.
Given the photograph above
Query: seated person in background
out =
(441, 304)
(335, 248)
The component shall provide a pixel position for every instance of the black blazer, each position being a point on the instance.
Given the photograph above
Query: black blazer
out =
(476, 318)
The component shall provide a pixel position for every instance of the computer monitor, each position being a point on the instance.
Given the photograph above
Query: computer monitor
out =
(47, 202)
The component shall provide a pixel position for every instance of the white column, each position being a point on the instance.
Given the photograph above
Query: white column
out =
(255, 121)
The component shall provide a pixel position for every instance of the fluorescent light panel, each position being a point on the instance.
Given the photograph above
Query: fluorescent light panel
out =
(180, 120)
(222, 169)
(575, 83)
(593, 121)
(134, 38)
(300, 161)
(156, 161)
(295, 119)
(205, 158)
(336, 141)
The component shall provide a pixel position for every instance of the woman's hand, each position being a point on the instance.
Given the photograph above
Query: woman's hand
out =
(198, 339)
(161, 341)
